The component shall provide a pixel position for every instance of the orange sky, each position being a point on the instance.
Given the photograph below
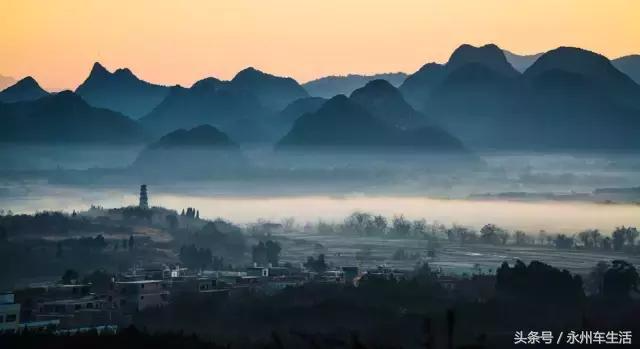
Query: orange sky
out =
(179, 42)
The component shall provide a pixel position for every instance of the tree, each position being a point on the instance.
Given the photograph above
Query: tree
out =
(595, 280)
(491, 234)
(419, 228)
(259, 254)
(273, 252)
(520, 237)
(620, 280)
(360, 223)
(172, 221)
(619, 236)
(400, 226)
(380, 225)
(563, 241)
(503, 236)
(317, 265)
(70, 276)
(196, 258)
(590, 238)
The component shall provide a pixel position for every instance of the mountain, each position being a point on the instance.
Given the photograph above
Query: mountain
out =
(6, 81)
(121, 91)
(330, 86)
(587, 71)
(235, 111)
(201, 152)
(629, 65)
(26, 89)
(201, 136)
(521, 62)
(386, 103)
(298, 107)
(65, 118)
(418, 86)
(343, 123)
(273, 92)
(568, 99)
(471, 60)
(490, 56)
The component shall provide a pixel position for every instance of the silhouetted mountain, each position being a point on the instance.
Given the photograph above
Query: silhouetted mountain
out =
(418, 86)
(121, 91)
(65, 118)
(569, 68)
(475, 63)
(521, 62)
(490, 56)
(342, 123)
(201, 136)
(568, 99)
(6, 81)
(298, 107)
(386, 103)
(210, 101)
(26, 89)
(200, 152)
(330, 86)
(273, 92)
(629, 65)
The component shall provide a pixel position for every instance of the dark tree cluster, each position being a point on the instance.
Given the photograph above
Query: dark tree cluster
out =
(538, 282)
(199, 258)
(190, 213)
(318, 265)
(266, 252)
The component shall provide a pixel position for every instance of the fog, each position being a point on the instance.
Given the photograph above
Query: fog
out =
(552, 192)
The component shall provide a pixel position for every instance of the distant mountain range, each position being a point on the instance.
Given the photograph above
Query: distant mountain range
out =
(330, 86)
(483, 97)
(242, 107)
(629, 65)
(6, 81)
(568, 99)
(65, 118)
(342, 123)
(273, 92)
(121, 91)
(26, 89)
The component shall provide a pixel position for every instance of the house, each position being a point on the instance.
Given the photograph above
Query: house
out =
(9, 313)
(137, 295)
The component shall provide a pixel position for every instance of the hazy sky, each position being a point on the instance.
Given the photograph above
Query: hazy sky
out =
(179, 42)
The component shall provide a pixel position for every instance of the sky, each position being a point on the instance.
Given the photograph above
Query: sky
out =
(180, 42)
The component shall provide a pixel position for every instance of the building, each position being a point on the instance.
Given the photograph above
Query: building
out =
(144, 199)
(133, 296)
(9, 313)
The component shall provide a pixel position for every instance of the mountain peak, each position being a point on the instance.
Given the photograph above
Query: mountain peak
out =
(124, 72)
(489, 55)
(249, 72)
(579, 61)
(199, 136)
(26, 89)
(386, 103)
(206, 83)
(98, 70)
